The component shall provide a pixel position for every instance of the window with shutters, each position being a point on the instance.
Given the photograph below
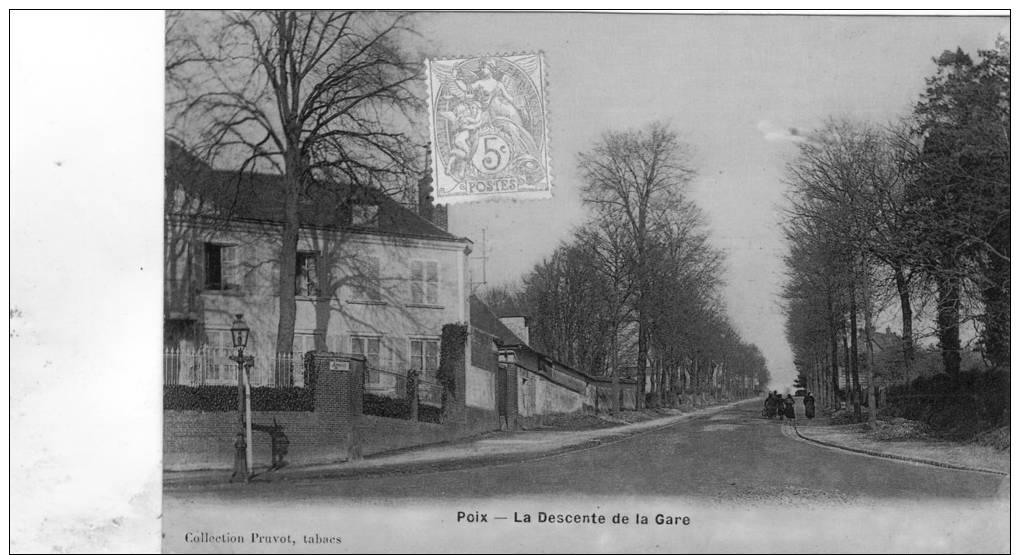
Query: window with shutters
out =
(425, 356)
(222, 270)
(306, 274)
(425, 282)
(369, 347)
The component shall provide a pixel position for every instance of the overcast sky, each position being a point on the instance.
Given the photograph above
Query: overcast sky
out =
(734, 86)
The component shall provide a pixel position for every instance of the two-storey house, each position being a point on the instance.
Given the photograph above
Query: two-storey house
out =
(372, 277)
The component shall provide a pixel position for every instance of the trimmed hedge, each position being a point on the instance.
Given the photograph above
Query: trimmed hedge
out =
(388, 407)
(959, 408)
(431, 414)
(223, 398)
(379, 405)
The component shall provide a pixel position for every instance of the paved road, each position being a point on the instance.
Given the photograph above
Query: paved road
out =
(744, 484)
(733, 455)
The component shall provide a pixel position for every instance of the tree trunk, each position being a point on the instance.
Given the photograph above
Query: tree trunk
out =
(653, 378)
(823, 381)
(948, 317)
(677, 385)
(642, 355)
(616, 372)
(907, 315)
(288, 258)
(869, 337)
(324, 292)
(695, 375)
(847, 391)
(834, 344)
(816, 370)
(854, 353)
(996, 298)
(663, 384)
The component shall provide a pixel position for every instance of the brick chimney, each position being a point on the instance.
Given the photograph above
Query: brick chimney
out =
(440, 217)
(437, 214)
(425, 195)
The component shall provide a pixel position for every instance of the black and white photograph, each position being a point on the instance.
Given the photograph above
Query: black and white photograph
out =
(531, 281)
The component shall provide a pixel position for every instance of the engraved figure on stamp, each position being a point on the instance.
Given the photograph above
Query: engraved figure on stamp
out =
(507, 121)
(468, 116)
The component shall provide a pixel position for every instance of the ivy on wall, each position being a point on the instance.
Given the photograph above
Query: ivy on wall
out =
(451, 356)
(311, 374)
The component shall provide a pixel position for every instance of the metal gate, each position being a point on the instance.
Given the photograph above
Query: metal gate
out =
(502, 380)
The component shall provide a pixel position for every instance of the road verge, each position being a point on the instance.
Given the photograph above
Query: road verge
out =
(876, 449)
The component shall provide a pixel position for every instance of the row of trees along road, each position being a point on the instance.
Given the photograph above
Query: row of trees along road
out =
(913, 217)
(639, 271)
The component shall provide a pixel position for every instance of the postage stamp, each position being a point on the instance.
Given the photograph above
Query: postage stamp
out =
(488, 123)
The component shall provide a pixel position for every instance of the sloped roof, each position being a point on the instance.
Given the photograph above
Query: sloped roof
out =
(259, 197)
(882, 341)
(886, 341)
(485, 320)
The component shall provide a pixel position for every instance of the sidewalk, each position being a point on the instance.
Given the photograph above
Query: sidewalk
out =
(946, 454)
(495, 448)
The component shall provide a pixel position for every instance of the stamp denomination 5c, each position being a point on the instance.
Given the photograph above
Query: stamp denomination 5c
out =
(488, 120)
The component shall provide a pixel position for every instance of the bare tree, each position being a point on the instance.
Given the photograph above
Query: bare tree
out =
(637, 178)
(684, 280)
(609, 244)
(815, 297)
(839, 184)
(317, 97)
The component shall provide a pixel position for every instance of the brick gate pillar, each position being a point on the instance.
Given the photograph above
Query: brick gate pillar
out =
(339, 390)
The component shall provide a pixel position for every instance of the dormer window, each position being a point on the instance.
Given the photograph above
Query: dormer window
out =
(365, 215)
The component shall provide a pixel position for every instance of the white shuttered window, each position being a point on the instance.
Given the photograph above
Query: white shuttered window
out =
(424, 282)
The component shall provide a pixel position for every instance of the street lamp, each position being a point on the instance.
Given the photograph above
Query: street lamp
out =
(239, 332)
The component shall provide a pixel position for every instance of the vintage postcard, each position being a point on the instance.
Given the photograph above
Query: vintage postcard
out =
(765, 308)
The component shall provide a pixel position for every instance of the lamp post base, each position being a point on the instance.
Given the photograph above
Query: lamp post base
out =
(240, 459)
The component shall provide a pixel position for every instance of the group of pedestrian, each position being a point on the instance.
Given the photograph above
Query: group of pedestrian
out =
(778, 406)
